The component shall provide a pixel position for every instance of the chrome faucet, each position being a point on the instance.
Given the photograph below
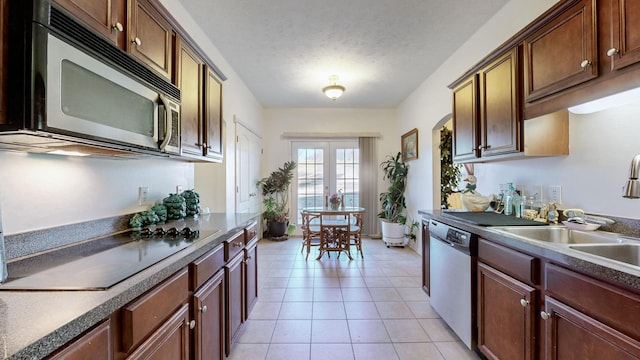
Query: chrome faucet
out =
(631, 189)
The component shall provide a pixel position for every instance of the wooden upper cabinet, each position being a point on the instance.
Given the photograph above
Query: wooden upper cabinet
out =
(213, 115)
(562, 53)
(500, 110)
(625, 33)
(150, 37)
(465, 120)
(106, 17)
(189, 77)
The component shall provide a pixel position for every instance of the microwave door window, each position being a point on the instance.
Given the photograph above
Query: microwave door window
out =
(105, 108)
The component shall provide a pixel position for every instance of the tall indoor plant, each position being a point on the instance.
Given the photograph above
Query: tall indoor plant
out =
(275, 192)
(392, 201)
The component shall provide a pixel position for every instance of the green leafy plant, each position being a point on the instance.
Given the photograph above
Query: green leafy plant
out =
(449, 171)
(275, 192)
(392, 201)
(412, 226)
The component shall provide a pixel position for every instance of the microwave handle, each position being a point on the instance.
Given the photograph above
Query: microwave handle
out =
(167, 123)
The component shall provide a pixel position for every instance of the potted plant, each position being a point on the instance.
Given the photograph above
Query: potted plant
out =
(275, 192)
(393, 201)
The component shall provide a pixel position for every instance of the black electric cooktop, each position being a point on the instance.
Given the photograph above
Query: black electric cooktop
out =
(96, 264)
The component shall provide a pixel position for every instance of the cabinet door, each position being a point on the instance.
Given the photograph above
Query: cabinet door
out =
(625, 33)
(107, 17)
(234, 281)
(209, 312)
(95, 344)
(571, 334)
(505, 316)
(465, 120)
(251, 277)
(170, 341)
(426, 276)
(562, 53)
(213, 116)
(500, 112)
(150, 37)
(189, 78)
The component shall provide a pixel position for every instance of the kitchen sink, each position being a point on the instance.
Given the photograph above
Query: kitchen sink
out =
(559, 234)
(626, 253)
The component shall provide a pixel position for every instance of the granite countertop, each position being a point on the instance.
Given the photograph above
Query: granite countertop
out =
(614, 272)
(35, 323)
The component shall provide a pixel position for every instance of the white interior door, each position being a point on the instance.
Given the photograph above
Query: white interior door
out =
(324, 167)
(248, 154)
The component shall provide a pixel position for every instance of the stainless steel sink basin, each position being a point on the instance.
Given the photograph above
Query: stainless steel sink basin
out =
(626, 253)
(559, 234)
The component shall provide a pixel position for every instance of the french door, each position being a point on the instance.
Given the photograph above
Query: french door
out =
(324, 168)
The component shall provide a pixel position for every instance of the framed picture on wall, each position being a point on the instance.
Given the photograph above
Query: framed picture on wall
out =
(409, 144)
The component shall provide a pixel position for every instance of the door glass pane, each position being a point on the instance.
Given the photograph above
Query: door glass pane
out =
(310, 179)
(347, 174)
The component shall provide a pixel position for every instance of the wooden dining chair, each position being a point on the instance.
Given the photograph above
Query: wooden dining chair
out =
(335, 235)
(355, 229)
(310, 231)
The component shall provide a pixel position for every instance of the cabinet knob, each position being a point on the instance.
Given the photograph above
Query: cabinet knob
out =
(203, 309)
(524, 302)
(237, 244)
(544, 315)
(191, 324)
(117, 27)
(585, 63)
(612, 51)
(136, 41)
(204, 145)
(248, 257)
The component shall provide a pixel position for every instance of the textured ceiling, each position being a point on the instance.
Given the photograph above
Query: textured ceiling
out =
(381, 50)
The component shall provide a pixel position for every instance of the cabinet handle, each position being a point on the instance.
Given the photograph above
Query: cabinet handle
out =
(203, 309)
(237, 244)
(544, 315)
(612, 51)
(204, 145)
(198, 145)
(117, 27)
(585, 63)
(248, 257)
(524, 302)
(136, 41)
(191, 324)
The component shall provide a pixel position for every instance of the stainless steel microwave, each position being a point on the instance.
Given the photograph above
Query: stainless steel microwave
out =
(77, 87)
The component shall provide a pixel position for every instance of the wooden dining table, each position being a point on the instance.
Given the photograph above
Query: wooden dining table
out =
(336, 227)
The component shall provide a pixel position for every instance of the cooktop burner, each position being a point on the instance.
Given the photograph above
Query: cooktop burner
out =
(101, 263)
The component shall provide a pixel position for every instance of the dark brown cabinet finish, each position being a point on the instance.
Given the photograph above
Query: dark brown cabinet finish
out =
(500, 110)
(625, 33)
(170, 341)
(234, 286)
(4, 54)
(213, 116)
(562, 53)
(150, 37)
(506, 309)
(251, 276)
(570, 334)
(94, 344)
(426, 274)
(107, 17)
(208, 307)
(189, 78)
(465, 120)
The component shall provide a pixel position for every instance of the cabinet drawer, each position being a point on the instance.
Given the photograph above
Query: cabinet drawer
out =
(205, 266)
(233, 246)
(250, 232)
(607, 304)
(144, 315)
(520, 266)
(95, 344)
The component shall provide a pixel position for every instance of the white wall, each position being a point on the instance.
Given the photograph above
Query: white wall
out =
(431, 101)
(41, 191)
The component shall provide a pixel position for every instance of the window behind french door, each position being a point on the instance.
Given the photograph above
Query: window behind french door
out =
(324, 168)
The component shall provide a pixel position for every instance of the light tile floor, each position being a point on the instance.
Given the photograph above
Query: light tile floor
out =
(340, 309)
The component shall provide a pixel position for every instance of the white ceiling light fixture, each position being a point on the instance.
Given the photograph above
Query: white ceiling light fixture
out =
(333, 91)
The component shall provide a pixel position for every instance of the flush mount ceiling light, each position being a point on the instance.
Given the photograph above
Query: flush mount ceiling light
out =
(333, 91)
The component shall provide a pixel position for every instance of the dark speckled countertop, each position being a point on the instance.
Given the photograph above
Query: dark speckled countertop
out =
(615, 272)
(34, 324)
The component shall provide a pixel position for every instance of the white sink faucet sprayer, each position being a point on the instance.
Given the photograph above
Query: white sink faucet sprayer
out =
(631, 189)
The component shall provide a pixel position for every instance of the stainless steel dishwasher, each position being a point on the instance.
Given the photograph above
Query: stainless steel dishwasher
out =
(453, 293)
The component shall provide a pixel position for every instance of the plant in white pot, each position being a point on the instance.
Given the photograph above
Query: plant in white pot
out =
(275, 192)
(392, 201)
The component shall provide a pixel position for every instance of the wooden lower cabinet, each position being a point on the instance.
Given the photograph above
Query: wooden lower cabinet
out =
(571, 334)
(94, 344)
(426, 274)
(234, 306)
(251, 277)
(506, 309)
(170, 341)
(208, 307)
